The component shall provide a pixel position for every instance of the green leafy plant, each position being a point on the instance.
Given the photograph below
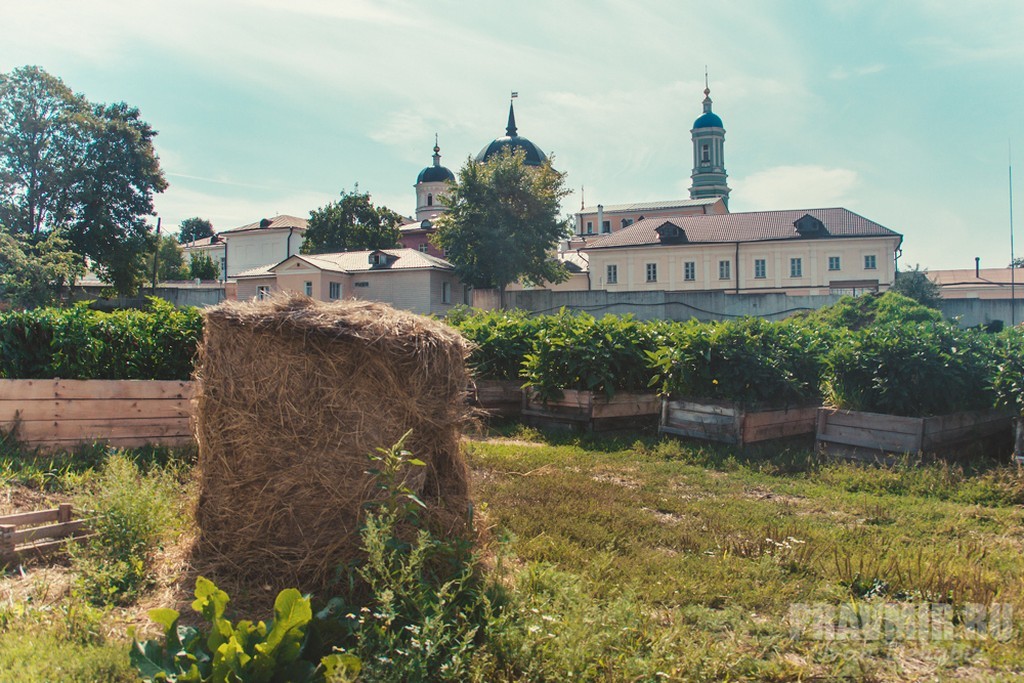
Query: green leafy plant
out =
(131, 515)
(911, 369)
(751, 361)
(79, 343)
(577, 351)
(244, 652)
(501, 340)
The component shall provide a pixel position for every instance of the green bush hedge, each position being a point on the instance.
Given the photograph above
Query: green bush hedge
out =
(751, 361)
(501, 340)
(914, 369)
(79, 343)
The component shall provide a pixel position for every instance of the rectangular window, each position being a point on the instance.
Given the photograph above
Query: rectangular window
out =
(423, 248)
(613, 274)
(309, 288)
(262, 292)
(870, 263)
(724, 270)
(760, 268)
(689, 271)
(833, 263)
(335, 290)
(626, 222)
(446, 292)
(590, 228)
(606, 226)
(796, 267)
(652, 272)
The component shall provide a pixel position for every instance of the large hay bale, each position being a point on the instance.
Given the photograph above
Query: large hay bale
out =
(292, 395)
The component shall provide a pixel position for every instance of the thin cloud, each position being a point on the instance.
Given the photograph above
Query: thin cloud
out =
(786, 187)
(842, 73)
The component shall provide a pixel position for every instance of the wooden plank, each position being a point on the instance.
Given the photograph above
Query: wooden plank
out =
(683, 416)
(68, 430)
(871, 439)
(889, 423)
(40, 549)
(80, 408)
(713, 408)
(125, 442)
(836, 450)
(7, 540)
(61, 530)
(498, 391)
(626, 405)
(22, 518)
(723, 436)
(28, 389)
(777, 424)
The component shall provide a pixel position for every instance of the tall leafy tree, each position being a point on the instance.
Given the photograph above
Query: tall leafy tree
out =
(86, 172)
(193, 229)
(170, 263)
(503, 222)
(916, 285)
(203, 267)
(34, 271)
(351, 223)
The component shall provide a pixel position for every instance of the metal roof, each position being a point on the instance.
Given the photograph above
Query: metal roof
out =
(652, 206)
(276, 223)
(357, 261)
(756, 226)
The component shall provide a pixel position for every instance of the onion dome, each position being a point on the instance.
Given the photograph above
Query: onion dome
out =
(512, 140)
(436, 173)
(708, 119)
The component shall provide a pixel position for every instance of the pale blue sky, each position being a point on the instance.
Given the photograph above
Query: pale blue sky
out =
(899, 111)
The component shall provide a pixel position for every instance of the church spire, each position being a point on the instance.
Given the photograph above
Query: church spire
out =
(510, 130)
(437, 152)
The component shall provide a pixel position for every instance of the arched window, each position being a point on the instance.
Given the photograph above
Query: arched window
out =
(430, 200)
(704, 154)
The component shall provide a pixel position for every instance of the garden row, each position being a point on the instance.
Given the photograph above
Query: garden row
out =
(748, 380)
(739, 381)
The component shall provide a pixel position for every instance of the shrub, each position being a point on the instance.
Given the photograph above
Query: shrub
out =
(911, 369)
(855, 313)
(132, 513)
(1008, 379)
(751, 361)
(577, 351)
(79, 343)
(501, 340)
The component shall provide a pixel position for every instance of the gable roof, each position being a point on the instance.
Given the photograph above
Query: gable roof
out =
(755, 226)
(281, 222)
(356, 262)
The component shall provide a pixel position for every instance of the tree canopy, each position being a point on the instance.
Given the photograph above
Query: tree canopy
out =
(33, 272)
(85, 172)
(351, 223)
(503, 222)
(915, 284)
(202, 266)
(170, 263)
(195, 228)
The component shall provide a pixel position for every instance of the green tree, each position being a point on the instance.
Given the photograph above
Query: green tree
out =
(170, 260)
(503, 222)
(193, 229)
(1017, 262)
(350, 224)
(34, 271)
(85, 171)
(915, 284)
(203, 267)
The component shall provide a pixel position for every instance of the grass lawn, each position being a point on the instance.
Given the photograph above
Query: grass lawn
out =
(641, 559)
(662, 559)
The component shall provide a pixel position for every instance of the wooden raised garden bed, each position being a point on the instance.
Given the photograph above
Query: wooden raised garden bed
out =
(502, 397)
(879, 438)
(730, 423)
(37, 533)
(59, 413)
(590, 411)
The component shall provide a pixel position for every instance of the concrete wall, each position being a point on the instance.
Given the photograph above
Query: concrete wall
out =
(973, 312)
(186, 295)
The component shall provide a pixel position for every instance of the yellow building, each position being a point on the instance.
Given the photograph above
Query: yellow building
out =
(799, 252)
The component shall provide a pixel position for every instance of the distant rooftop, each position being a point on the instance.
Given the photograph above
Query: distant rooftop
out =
(283, 221)
(356, 261)
(652, 206)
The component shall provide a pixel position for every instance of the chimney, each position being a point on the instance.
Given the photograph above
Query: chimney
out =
(977, 266)
(600, 218)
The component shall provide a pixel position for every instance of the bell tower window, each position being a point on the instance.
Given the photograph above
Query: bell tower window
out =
(430, 200)
(705, 156)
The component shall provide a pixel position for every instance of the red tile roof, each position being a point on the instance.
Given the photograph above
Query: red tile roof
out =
(357, 261)
(755, 226)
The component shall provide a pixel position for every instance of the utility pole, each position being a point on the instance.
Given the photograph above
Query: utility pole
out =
(156, 254)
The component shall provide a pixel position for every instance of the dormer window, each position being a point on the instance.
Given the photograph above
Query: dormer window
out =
(670, 233)
(809, 226)
(380, 259)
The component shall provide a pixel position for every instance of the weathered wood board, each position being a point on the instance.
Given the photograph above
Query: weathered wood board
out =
(51, 414)
(729, 423)
(499, 397)
(590, 411)
(879, 437)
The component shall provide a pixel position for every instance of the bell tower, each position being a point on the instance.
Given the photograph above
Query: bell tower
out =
(709, 178)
